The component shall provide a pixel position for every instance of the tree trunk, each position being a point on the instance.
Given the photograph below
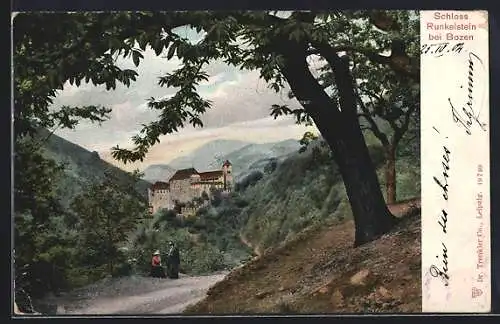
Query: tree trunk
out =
(339, 125)
(109, 244)
(390, 174)
(372, 218)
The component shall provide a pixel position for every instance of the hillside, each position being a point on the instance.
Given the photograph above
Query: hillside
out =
(298, 221)
(268, 209)
(81, 166)
(306, 189)
(320, 272)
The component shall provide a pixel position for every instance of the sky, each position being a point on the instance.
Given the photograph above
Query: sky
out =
(240, 110)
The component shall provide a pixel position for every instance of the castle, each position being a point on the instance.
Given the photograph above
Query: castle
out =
(186, 184)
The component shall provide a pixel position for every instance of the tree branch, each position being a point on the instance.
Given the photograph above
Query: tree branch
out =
(343, 78)
(303, 84)
(373, 125)
(405, 124)
(372, 94)
(401, 64)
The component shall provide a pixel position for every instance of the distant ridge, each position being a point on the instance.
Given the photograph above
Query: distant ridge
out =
(82, 165)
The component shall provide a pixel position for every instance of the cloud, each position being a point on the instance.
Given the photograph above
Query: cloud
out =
(241, 104)
(213, 80)
(241, 97)
(236, 97)
(265, 122)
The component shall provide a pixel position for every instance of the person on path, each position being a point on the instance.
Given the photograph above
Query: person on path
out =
(157, 270)
(173, 261)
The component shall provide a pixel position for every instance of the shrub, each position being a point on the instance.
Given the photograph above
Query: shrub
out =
(271, 166)
(251, 179)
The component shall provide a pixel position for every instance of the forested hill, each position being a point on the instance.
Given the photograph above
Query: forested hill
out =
(81, 165)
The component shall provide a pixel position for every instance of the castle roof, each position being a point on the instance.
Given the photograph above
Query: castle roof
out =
(226, 163)
(210, 175)
(160, 185)
(183, 174)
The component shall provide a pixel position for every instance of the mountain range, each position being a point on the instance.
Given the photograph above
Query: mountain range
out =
(243, 156)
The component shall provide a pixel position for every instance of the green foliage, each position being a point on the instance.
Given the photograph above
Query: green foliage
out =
(108, 212)
(220, 226)
(306, 139)
(249, 180)
(51, 49)
(197, 256)
(306, 190)
(271, 165)
(38, 219)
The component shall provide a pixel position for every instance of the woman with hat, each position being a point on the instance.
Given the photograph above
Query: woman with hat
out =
(156, 268)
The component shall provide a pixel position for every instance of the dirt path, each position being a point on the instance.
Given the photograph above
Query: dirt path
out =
(244, 240)
(164, 296)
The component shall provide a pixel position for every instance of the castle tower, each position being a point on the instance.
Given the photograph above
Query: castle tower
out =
(150, 200)
(228, 175)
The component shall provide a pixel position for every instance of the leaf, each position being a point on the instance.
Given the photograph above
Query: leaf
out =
(158, 46)
(181, 48)
(135, 57)
(143, 42)
(171, 51)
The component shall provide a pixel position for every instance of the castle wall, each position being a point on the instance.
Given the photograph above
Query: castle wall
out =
(160, 199)
(181, 190)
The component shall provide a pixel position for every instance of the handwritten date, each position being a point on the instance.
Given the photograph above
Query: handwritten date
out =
(439, 49)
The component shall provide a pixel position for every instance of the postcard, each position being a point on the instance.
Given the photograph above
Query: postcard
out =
(250, 162)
